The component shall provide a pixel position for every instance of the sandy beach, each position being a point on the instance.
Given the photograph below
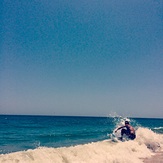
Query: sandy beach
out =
(157, 158)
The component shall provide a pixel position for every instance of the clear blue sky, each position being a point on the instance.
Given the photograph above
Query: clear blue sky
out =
(87, 57)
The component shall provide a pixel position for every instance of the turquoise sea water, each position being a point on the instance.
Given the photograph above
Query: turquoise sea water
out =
(18, 133)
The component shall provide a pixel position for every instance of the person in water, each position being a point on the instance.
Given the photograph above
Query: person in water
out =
(128, 130)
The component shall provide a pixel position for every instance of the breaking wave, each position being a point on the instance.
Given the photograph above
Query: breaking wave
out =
(146, 143)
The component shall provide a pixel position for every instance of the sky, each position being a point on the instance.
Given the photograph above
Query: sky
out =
(81, 58)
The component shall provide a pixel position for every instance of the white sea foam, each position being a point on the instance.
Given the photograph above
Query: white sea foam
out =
(158, 128)
(106, 151)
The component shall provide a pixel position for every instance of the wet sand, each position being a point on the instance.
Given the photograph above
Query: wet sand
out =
(157, 158)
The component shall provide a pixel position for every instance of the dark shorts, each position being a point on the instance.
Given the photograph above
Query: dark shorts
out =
(126, 132)
(132, 136)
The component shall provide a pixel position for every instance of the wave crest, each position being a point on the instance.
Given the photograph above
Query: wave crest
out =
(152, 140)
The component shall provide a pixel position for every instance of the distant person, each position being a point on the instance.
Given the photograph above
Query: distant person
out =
(128, 130)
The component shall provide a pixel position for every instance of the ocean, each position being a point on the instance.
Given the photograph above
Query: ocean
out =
(73, 139)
